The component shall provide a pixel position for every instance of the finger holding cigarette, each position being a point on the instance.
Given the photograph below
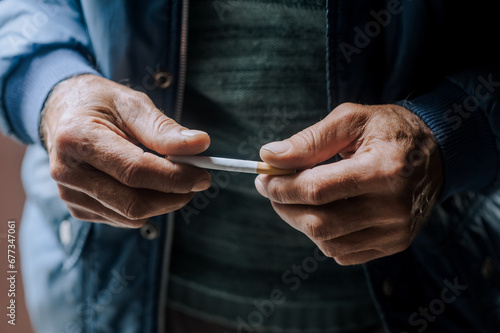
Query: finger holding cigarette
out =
(229, 164)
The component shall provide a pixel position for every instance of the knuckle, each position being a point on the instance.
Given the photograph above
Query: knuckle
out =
(139, 96)
(77, 213)
(400, 246)
(396, 169)
(310, 138)
(394, 179)
(162, 123)
(351, 111)
(316, 228)
(342, 261)
(403, 246)
(329, 251)
(64, 136)
(60, 173)
(276, 193)
(183, 200)
(135, 209)
(136, 224)
(177, 183)
(402, 240)
(317, 190)
(69, 138)
(126, 223)
(405, 242)
(130, 172)
(346, 110)
(356, 116)
(323, 249)
(131, 100)
(347, 106)
(55, 171)
(335, 248)
(70, 148)
(129, 97)
(65, 194)
(349, 182)
(133, 213)
(402, 210)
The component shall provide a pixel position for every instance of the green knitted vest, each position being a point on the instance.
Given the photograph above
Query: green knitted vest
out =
(256, 73)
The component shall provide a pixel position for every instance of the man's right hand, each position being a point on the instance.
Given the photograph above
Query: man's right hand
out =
(92, 127)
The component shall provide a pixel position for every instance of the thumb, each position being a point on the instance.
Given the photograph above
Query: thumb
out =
(318, 142)
(162, 134)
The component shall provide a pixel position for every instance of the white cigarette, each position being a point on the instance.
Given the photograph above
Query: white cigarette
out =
(229, 164)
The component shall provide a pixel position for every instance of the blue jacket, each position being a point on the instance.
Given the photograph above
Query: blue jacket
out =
(437, 58)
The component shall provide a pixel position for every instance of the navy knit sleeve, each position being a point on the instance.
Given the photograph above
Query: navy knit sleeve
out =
(464, 135)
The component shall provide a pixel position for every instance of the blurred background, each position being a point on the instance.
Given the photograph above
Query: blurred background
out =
(11, 205)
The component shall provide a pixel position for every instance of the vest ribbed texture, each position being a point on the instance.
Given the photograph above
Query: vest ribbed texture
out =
(256, 73)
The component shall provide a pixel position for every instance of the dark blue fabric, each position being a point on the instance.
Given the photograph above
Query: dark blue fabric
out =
(447, 281)
(464, 137)
(385, 52)
(425, 44)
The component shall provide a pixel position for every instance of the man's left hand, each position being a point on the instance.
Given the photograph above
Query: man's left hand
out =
(368, 205)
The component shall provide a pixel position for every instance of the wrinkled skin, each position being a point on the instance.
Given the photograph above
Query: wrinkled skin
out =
(369, 205)
(92, 127)
(372, 203)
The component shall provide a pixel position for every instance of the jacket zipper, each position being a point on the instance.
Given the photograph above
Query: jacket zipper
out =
(162, 307)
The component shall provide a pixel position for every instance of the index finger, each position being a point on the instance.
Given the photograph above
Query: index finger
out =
(324, 183)
(116, 156)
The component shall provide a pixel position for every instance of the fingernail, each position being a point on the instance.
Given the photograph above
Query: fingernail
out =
(191, 133)
(278, 147)
(202, 185)
(260, 187)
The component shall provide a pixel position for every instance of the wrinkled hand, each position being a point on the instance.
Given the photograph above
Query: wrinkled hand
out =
(373, 202)
(92, 128)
